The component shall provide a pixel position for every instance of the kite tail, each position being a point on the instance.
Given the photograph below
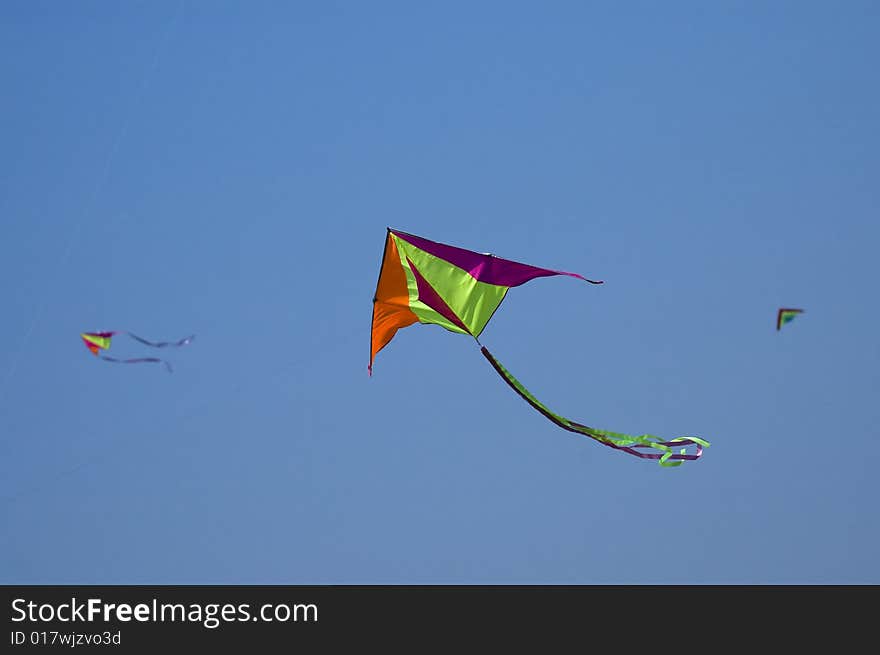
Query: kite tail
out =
(645, 446)
(162, 344)
(138, 360)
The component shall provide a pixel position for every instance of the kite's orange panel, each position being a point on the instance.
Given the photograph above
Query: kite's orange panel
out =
(91, 346)
(391, 306)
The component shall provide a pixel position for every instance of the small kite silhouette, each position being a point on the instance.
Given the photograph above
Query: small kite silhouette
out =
(98, 341)
(786, 315)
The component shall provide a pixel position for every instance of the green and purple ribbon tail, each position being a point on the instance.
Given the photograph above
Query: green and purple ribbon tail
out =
(645, 446)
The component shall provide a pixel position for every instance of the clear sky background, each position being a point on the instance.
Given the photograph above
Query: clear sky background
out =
(229, 169)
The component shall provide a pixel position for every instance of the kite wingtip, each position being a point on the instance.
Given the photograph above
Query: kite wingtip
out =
(586, 279)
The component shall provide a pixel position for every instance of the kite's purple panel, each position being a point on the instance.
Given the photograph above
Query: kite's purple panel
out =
(484, 268)
(432, 299)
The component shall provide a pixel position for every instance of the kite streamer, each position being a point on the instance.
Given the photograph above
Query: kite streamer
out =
(98, 341)
(626, 443)
(422, 281)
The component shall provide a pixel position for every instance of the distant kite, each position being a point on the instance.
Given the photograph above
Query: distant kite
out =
(786, 315)
(98, 341)
(423, 281)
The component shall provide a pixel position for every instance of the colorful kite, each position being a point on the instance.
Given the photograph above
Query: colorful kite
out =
(786, 315)
(98, 341)
(423, 281)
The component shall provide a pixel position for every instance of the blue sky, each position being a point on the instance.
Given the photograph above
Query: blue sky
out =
(228, 169)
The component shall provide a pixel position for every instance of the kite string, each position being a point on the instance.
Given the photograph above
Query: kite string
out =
(99, 185)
